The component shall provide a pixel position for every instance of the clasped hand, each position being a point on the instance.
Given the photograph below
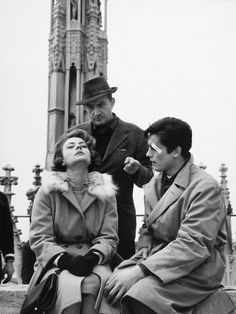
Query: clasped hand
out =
(78, 265)
(7, 272)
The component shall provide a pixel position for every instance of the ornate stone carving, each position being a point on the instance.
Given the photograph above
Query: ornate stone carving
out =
(37, 178)
(8, 180)
(94, 21)
(74, 9)
(57, 38)
(77, 52)
(73, 49)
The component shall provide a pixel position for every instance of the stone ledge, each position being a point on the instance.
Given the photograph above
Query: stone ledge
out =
(11, 298)
(231, 290)
(219, 298)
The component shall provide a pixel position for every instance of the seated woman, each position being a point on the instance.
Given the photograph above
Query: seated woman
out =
(74, 221)
(180, 258)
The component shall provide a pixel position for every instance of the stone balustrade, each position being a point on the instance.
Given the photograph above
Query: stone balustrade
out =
(12, 297)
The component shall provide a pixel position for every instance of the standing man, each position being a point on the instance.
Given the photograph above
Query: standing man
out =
(121, 147)
(6, 240)
(180, 259)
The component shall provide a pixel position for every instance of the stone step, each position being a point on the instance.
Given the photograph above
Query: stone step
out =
(231, 290)
(12, 297)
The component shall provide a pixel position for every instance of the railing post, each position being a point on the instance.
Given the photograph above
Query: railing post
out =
(32, 191)
(8, 180)
(37, 178)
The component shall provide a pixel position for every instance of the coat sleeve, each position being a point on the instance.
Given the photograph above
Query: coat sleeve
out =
(7, 240)
(107, 240)
(41, 235)
(196, 237)
(145, 173)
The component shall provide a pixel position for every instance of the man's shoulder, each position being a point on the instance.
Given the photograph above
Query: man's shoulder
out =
(86, 126)
(202, 176)
(86, 123)
(129, 125)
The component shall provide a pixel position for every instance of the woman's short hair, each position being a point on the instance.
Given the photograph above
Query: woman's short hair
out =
(58, 156)
(172, 133)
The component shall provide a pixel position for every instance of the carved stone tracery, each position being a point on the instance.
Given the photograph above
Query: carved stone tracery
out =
(57, 38)
(77, 52)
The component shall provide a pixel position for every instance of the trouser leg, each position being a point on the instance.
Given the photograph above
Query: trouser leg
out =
(126, 249)
(75, 308)
(136, 307)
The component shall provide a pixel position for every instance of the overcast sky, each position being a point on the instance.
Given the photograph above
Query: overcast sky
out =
(167, 58)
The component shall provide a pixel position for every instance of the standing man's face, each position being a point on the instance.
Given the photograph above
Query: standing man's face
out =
(100, 110)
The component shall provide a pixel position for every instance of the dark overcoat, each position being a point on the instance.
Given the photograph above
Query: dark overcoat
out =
(127, 141)
(186, 230)
(6, 228)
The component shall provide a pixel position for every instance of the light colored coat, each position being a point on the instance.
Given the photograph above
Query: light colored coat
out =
(186, 230)
(60, 224)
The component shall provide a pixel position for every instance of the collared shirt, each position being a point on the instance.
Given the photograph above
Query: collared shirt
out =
(103, 134)
(166, 181)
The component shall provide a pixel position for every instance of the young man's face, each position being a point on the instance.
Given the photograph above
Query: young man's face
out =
(157, 153)
(100, 110)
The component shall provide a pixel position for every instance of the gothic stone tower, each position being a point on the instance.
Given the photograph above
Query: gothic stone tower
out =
(77, 52)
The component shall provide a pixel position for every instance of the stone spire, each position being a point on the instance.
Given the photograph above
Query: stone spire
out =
(224, 186)
(226, 203)
(77, 52)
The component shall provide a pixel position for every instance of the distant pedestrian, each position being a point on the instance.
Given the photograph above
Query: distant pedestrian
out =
(6, 240)
(28, 260)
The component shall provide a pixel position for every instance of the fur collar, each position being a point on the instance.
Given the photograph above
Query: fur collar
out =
(100, 184)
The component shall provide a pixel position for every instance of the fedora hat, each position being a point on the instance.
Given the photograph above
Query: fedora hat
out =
(95, 89)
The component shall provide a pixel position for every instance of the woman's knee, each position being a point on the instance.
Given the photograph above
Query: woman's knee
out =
(91, 285)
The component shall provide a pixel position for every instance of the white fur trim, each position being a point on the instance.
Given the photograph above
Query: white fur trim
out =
(100, 184)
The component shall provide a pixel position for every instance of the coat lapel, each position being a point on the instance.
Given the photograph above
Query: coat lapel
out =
(172, 194)
(69, 195)
(119, 135)
(87, 200)
(150, 192)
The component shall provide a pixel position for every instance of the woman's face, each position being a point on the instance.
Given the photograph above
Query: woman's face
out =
(74, 151)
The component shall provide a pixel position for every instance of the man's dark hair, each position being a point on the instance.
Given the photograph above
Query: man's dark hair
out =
(172, 133)
(58, 157)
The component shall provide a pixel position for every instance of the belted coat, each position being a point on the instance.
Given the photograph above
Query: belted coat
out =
(186, 230)
(60, 224)
(6, 230)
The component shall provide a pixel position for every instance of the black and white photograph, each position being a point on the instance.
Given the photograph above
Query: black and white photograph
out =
(117, 164)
